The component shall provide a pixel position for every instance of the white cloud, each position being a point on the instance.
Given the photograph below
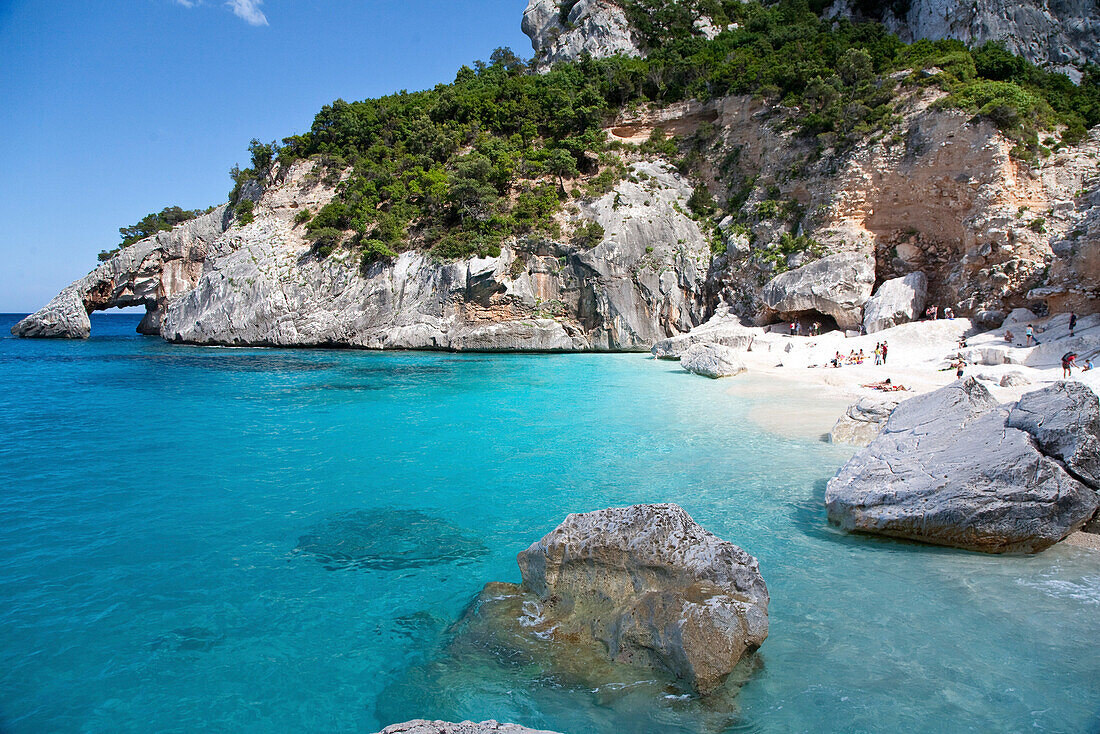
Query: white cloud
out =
(247, 10)
(188, 3)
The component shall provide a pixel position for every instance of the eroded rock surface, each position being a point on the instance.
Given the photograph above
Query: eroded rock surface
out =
(723, 329)
(712, 360)
(643, 585)
(1064, 419)
(148, 273)
(837, 286)
(949, 468)
(594, 27)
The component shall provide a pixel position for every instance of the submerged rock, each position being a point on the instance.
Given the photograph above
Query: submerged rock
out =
(951, 468)
(712, 360)
(862, 421)
(422, 726)
(642, 585)
(388, 539)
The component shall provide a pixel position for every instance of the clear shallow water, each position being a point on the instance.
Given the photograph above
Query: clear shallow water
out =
(164, 510)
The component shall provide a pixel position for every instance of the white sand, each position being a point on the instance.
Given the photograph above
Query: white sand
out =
(918, 355)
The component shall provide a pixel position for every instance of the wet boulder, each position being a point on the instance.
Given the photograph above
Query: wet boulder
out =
(646, 586)
(951, 468)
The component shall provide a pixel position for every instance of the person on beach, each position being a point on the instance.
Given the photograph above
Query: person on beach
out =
(1029, 335)
(1069, 361)
(838, 360)
(959, 370)
(816, 329)
(1072, 322)
(948, 313)
(1009, 336)
(1088, 365)
(884, 348)
(878, 354)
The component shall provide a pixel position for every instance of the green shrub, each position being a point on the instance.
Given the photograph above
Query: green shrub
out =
(161, 221)
(588, 235)
(326, 240)
(302, 217)
(245, 212)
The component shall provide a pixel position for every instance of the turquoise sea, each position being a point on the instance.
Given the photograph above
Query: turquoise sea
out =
(281, 541)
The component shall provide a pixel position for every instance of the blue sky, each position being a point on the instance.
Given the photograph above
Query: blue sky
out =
(113, 109)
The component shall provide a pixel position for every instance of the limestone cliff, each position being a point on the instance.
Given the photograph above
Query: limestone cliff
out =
(1061, 33)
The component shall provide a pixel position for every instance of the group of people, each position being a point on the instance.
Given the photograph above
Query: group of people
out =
(796, 328)
(1069, 361)
(858, 357)
(933, 312)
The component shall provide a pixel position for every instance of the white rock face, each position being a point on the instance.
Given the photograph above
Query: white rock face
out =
(652, 586)
(147, 273)
(837, 286)
(260, 285)
(897, 301)
(422, 726)
(596, 27)
(712, 360)
(953, 468)
(862, 421)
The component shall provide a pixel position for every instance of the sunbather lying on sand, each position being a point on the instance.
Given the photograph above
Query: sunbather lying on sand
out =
(886, 386)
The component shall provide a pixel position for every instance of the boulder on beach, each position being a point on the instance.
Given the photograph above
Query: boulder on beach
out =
(723, 329)
(645, 586)
(423, 726)
(862, 421)
(1064, 419)
(837, 286)
(1014, 379)
(897, 301)
(953, 468)
(712, 360)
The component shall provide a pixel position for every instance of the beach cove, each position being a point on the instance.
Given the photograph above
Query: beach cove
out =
(159, 571)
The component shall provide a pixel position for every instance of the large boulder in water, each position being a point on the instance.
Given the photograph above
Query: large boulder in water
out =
(653, 587)
(949, 469)
(837, 286)
(422, 726)
(712, 360)
(897, 301)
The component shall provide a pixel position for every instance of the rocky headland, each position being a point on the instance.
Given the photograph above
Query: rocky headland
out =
(939, 206)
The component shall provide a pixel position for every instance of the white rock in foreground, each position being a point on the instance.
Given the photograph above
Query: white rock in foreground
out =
(953, 468)
(712, 360)
(423, 726)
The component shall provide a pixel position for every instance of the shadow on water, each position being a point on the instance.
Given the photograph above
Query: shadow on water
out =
(388, 539)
